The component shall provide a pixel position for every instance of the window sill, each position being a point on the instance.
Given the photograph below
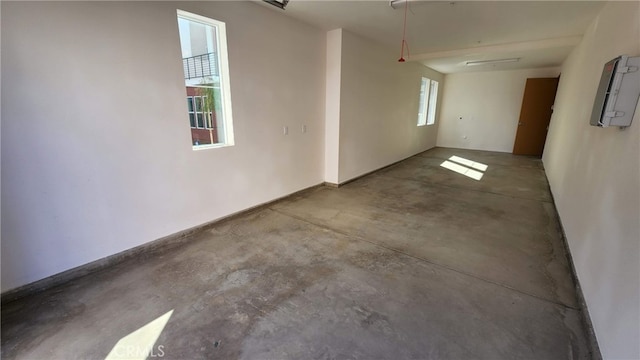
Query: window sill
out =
(209, 146)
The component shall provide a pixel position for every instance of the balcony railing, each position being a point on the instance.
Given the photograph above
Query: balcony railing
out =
(200, 66)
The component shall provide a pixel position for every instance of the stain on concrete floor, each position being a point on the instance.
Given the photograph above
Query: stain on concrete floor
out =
(412, 262)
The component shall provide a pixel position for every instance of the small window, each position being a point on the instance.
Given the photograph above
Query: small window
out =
(433, 100)
(206, 76)
(428, 101)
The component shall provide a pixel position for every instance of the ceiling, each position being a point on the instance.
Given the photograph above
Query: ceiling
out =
(445, 35)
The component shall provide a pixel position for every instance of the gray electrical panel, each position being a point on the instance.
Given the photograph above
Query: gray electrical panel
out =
(618, 93)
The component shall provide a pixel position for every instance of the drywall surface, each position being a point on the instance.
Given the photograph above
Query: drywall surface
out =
(594, 175)
(332, 106)
(379, 100)
(96, 147)
(480, 110)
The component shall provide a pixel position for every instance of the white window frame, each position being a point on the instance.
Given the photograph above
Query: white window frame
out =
(433, 102)
(427, 102)
(423, 103)
(223, 67)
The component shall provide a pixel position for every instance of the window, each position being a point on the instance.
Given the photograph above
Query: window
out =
(199, 118)
(428, 101)
(206, 76)
(433, 98)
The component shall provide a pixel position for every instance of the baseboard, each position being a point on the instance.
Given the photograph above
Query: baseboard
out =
(147, 249)
(330, 184)
(594, 348)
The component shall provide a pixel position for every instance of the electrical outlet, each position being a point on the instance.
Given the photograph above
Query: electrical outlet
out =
(304, 129)
(285, 130)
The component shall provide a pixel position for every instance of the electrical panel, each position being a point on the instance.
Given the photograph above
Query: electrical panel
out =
(618, 93)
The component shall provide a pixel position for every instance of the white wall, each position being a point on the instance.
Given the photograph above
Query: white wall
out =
(379, 108)
(594, 175)
(489, 104)
(96, 147)
(332, 103)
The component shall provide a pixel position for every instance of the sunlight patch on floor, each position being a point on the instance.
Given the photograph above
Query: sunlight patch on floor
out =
(469, 163)
(466, 167)
(139, 345)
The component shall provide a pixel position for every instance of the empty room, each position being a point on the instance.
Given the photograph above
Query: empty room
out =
(397, 179)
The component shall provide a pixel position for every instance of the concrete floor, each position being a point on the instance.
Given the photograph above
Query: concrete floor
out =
(412, 262)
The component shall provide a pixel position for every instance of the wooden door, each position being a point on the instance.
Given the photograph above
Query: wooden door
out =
(537, 106)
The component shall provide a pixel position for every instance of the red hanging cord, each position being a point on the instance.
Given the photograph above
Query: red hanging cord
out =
(404, 31)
